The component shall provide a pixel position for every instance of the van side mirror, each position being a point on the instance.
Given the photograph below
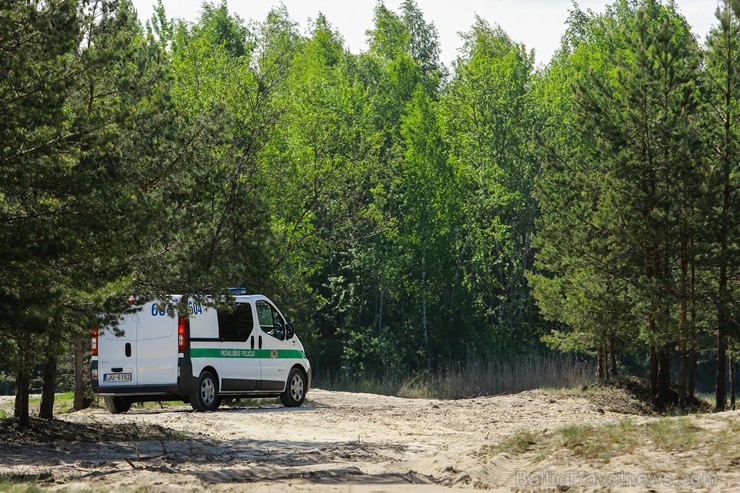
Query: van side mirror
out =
(289, 330)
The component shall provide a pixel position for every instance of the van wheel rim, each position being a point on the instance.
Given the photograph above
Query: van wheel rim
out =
(207, 391)
(296, 387)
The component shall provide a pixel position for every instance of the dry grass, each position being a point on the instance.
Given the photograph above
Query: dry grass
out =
(521, 442)
(21, 484)
(669, 435)
(673, 435)
(472, 379)
(599, 443)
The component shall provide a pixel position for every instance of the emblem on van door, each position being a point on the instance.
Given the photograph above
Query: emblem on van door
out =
(274, 353)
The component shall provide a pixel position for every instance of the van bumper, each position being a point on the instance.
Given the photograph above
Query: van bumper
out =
(185, 385)
(186, 382)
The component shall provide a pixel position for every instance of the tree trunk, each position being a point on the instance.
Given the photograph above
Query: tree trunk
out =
(664, 377)
(46, 411)
(613, 355)
(728, 162)
(80, 377)
(732, 382)
(654, 371)
(602, 364)
(23, 382)
(683, 326)
(425, 328)
(380, 303)
(683, 371)
(691, 384)
(22, 390)
(721, 394)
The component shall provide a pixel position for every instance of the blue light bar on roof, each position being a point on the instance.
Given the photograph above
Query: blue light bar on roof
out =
(237, 291)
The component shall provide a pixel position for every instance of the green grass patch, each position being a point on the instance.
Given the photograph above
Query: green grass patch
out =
(707, 397)
(605, 442)
(598, 442)
(19, 487)
(22, 483)
(671, 435)
(64, 402)
(523, 441)
(418, 387)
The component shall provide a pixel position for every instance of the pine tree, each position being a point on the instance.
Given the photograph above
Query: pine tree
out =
(37, 171)
(721, 113)
(643, 173)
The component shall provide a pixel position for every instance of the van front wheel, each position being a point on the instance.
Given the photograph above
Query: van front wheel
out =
(295, 390)
(205, 397)
(117, 405)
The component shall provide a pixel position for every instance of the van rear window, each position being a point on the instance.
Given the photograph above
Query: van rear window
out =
(235, 324)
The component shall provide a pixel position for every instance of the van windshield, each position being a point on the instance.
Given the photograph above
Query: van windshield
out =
(270, 320)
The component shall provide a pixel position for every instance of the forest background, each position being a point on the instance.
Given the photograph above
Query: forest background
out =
(411, 219)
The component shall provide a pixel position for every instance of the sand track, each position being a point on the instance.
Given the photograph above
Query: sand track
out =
(337, 442)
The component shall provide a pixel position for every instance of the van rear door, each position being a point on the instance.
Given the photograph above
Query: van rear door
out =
(117, 354)
(156, 345)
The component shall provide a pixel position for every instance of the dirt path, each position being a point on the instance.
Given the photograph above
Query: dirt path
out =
(337, 442)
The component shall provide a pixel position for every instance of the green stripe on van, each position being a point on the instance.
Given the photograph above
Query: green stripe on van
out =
(246, 353)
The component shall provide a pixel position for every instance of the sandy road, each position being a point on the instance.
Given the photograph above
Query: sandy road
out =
(348, 442)
(337, 442)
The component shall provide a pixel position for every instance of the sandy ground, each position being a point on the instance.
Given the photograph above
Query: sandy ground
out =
(349, 442)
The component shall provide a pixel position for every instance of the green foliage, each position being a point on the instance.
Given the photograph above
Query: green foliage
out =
(722, 138)
(394, 209)
(627, 189)
(490, 116)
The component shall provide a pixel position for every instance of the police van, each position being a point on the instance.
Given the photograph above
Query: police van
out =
(202, 356)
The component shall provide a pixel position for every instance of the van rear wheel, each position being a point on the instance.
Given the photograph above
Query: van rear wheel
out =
(205, 397)
(295, 390)
(117, 405)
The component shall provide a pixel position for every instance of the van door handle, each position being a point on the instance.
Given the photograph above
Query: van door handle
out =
(128, 349)
(260, 339)
(252, 342)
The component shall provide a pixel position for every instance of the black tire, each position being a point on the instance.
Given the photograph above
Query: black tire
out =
(295, 390)
(205, 397)
(117, 405)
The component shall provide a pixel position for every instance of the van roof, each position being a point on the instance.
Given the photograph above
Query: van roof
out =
(241, 297)
(248, 297)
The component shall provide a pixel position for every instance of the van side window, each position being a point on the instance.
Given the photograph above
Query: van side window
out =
(235, 324)
(270, 320)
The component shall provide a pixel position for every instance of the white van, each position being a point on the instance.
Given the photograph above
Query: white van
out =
(200, 357)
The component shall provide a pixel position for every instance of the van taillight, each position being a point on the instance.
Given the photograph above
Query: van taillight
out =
(94, 342)
(181, 333)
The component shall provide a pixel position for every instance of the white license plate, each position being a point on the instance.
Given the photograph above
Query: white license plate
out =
(116, 377)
